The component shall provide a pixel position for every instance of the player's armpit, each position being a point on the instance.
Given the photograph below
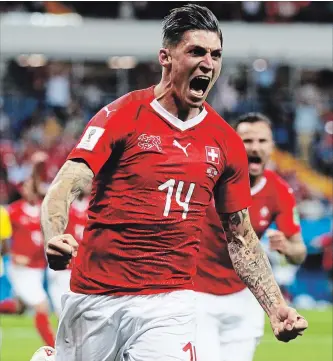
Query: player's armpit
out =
(72, 179)
(250, 261)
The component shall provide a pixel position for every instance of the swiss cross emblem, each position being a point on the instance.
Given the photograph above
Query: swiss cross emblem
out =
(213, 154)
(264, 212)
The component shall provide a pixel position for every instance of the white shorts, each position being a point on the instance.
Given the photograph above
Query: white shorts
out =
(27, 284)
(242, 350)
(58, 282)
(224, 321)
(127, 328)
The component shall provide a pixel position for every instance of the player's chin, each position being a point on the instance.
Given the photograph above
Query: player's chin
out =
(195, 101)
(255, 174)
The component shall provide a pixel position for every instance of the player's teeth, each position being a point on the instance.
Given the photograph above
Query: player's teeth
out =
(197, 92)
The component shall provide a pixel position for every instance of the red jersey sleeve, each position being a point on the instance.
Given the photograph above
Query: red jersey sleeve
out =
(99, 137)
(287, 219)
(233, 192)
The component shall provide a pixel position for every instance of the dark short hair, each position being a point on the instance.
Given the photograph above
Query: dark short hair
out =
(185, 18)
(252, 117)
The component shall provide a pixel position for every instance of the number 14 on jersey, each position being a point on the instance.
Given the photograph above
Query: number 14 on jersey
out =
(170, 186)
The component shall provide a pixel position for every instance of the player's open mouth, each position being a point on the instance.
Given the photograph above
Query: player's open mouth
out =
(199, 85)
(255, 163)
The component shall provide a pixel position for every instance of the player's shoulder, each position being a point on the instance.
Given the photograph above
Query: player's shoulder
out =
(15, 206)
(220, 124)
(125, 106)
(135, 97)
(130, 101)
(278, 183)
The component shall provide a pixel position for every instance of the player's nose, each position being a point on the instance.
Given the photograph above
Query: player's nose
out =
(207, 63)
(255, 147)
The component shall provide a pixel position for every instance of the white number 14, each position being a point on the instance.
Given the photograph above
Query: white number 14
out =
(170, 184)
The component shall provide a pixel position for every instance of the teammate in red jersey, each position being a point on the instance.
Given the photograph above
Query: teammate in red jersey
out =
(28, 262)
(230, 318)
(58, 281)
(154, 158)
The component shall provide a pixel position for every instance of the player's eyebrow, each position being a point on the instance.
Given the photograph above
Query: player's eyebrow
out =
(204, 50)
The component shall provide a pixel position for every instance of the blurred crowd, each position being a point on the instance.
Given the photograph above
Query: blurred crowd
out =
(46, 107)
(251, 11)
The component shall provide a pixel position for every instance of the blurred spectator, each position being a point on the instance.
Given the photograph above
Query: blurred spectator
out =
(323, 147)
(4, 123)
(92, 97)
(258, 11)
(58, 91)
(306, 118)
(253, 11)
(283, 10)
(325, 243)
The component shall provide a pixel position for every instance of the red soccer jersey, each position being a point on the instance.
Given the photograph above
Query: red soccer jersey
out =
(78, 218)
(77, 221)
(272, 200)
(154, 177)
(27, 239)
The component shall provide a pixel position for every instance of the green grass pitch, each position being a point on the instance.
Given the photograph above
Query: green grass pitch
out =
(20, 340)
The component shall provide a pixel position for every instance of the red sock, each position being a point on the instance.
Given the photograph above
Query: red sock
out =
(8, 306)
(43, 325)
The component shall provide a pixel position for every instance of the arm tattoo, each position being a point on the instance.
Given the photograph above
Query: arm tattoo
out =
(70, 181)
(250, 261)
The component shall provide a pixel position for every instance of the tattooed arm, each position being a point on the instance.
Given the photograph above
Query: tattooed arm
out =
(70, 181)
(252, 266)
(250, 261)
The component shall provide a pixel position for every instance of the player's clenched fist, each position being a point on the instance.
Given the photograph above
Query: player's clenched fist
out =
(287, 323)
(59, 251)
(278, 241)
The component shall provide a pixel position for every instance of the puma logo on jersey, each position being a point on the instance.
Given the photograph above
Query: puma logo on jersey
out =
(108, 111)
(184, 149)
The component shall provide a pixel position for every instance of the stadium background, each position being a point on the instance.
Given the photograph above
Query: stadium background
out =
(61, 61)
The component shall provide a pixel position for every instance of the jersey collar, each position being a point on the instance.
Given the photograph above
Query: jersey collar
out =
(176, 122)
(31, 210)
(259, 186)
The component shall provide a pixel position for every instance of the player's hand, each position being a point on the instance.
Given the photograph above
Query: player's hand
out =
(287, 323)
(278, 241)
(60, 250)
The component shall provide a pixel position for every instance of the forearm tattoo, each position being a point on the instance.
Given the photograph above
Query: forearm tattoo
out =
(70, 181)
(250, 261)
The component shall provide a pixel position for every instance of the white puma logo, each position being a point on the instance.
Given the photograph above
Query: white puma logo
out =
(108, 111)
(176, 144)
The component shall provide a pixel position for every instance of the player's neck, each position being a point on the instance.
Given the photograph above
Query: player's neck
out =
(254, 180)
(169, 102)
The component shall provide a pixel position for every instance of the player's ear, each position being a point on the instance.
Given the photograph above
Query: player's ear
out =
(164, 57)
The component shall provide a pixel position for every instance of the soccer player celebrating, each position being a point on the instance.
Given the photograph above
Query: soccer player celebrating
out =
(28, 262)
(229, 317)
(154, 157)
